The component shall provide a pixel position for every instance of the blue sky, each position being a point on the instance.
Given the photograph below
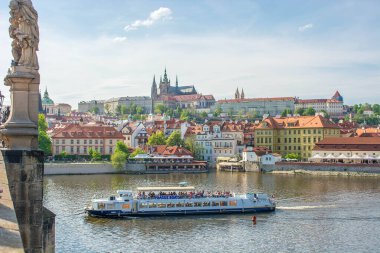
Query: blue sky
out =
(102, 48)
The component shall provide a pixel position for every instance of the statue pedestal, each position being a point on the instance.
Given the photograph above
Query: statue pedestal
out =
(20, 131)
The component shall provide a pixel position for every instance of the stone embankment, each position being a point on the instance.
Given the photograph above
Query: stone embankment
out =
(79, 168)
(324, 168)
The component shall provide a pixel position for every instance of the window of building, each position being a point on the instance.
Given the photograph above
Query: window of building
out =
(85, 150)
(72, 142)
(96, 141)
(78, 150)
(84, 141)
(89, 141)
(63, 141)
(78, 141)
(110, 142)
(71, 149)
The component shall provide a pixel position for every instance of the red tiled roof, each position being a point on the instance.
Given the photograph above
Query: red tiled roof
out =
(167, 150)
(297, 122)
(193, 97)
(242, 100)
(77, 131)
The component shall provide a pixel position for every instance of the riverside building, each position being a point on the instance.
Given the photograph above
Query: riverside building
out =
(77, 139)
(286, 135)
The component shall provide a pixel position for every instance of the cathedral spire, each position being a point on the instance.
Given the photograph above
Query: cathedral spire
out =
(242, 94)
(237, 94)
(153, 90)
(176, 81)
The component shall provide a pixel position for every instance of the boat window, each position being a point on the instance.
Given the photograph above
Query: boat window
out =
(179, 204)
(161, 205)
(223, 203)
(101, 206)
(110, 206)
(152, 205)
(126, 206)
(214, 203)
(189, 204)
(143, 205)
(233, 203)
(206, 203)
(171, 205)
(197, 204)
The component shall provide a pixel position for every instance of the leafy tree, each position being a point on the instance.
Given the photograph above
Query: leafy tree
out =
(309, 112)
(230, 111)
(160, 108)
(175, 139)
(123, 109)
(286, 112)
(94, 154)
(217, 111)
(121, 147)
(203, 115)
(44, 142)
(139, 110)
(194, 147)
(293, 156)
(157, 138)
(63, 154)
(185, 115)
(107, 108)
(136, 152)
(120, 155)
(299, 111)
(376, 109)
(118, 160)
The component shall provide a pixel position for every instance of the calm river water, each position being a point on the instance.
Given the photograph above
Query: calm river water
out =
(315, 214)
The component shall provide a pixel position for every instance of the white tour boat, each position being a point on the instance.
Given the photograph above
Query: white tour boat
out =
(183, 199)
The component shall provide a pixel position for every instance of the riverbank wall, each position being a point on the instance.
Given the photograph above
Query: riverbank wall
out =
(320, 167)
(79, 168)
(105, 168)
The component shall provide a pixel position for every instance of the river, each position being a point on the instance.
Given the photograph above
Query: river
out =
(314, 214)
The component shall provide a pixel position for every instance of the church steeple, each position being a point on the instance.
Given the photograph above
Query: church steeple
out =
(237, 94)
(176, 81)
(153, 91)
(166, 77)
(242, 94)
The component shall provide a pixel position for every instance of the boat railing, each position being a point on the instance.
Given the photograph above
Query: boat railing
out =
(185, 196)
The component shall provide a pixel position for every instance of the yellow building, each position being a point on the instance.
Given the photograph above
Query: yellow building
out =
(296, 135)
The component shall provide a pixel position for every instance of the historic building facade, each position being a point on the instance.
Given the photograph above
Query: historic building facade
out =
(77, 139)
(333, 106)
(87, 106)
(286, 135)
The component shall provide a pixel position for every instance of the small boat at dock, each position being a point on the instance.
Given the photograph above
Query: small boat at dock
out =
(178, 200)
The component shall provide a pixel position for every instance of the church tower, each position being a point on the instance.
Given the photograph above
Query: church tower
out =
(242, 94)
(153, 90)
(164, 85)
(237, 94)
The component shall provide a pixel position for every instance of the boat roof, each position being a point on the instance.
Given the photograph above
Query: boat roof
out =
(166, 188)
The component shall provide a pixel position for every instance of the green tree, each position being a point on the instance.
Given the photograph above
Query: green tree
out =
(118, 160)
(44, 141)
(94, 110)
(94, 154)
(123, 109)
(376, 109)
(139, 110)
(175, 139)
(107, 108)
(293, 156)
(185, 115)
(203, 115)
(299, 111)
(120, 155)
(160, 108)
(195, 148)
(230, 111)
(136, 152)
(157, 138)
(309, 112)
(217, 111)
(286, 112)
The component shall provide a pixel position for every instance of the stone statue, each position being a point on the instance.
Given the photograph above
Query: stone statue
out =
(24, 31)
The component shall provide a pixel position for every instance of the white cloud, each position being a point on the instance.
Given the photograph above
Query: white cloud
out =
(161, 13)
(119, 39)
(305, 27)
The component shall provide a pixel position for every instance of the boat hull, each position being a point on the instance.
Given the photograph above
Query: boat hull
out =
(119, 213)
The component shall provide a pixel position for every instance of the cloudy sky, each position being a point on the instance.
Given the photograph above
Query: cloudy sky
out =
(109, 48)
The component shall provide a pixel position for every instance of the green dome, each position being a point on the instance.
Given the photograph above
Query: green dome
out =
(46, 100)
